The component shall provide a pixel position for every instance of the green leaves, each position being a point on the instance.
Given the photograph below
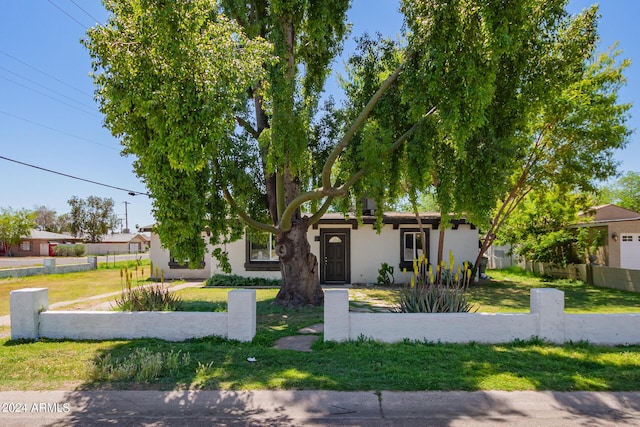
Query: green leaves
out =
(15, 225)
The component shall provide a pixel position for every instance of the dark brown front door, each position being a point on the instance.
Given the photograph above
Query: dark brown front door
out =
(335, 256)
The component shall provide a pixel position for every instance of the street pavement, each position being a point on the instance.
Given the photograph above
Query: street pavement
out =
(317, 408)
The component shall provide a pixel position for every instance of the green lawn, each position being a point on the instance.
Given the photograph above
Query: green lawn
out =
(72, 286)
(214, 363)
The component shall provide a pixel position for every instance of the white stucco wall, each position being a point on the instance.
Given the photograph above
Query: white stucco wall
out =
(546, 320)
(368, 250)
(160, 258)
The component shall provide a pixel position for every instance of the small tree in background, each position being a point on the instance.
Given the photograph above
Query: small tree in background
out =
(15, 226)
(46, 219)
(625, 192)
(92, 217)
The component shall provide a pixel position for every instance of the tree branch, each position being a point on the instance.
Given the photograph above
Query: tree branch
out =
(357, 124)
(323, 209)
(247, 126)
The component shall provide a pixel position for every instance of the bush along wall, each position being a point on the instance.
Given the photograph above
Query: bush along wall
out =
(234, 281)
(69, 250)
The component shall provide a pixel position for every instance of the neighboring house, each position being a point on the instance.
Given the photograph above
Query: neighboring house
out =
(347, 251)
(621, 228)
(39, 243)
(119, 243)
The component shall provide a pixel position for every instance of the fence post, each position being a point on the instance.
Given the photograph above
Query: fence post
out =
(548, 304)
(25, 306)
(336, 315)
(93, 262)
(241, 315)
(49, 265)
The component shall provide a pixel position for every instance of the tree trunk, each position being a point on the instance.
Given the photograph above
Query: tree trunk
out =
(299, 268)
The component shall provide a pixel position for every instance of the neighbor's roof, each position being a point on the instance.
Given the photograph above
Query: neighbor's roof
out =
(47, 235)
(609, 213)
(124, 238)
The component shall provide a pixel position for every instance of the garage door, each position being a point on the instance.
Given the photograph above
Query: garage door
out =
(630, 251)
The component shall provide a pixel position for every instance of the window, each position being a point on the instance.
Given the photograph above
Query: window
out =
(177, 263)
(411, 246)
(627, 238)
(261, 252)
(25, 245)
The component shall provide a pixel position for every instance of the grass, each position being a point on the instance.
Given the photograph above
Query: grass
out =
(215, 363)
(509, 291)
(72, 286)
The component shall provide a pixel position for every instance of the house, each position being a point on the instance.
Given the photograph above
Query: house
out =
(39, 243)
(620, 229)
(348, 251)
(121, 243)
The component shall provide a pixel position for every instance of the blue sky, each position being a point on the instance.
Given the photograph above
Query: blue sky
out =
(48, 117)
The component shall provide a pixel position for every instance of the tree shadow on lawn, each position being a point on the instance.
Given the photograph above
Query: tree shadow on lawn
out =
(580, 297)
(218, 364)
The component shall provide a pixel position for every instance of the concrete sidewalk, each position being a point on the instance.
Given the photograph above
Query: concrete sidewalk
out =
(318, 408)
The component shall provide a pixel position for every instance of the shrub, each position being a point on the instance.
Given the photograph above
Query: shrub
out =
(235, 281)
(68, 250)
(385, 275)
(427, 294)
(152, 297)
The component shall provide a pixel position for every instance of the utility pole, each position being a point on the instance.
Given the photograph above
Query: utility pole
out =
(126, 217)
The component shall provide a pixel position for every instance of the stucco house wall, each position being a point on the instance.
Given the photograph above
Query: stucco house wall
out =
(366, 249)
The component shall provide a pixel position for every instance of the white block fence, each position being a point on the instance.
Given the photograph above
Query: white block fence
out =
(31, 320)
(546, 320)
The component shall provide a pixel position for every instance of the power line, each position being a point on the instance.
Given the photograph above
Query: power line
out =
(70, 17)
(44, 87)
(130, 192)
(46, 74)
(87, 13)
(75, 107)
(57, 130)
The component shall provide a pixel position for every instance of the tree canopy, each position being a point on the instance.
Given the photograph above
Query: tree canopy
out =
(216, 101)
(92, 218)
(624, 192)
(15, 225)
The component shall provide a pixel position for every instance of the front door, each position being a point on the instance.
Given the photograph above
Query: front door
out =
(334, 253)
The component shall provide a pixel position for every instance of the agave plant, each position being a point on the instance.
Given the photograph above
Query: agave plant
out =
(425, 294)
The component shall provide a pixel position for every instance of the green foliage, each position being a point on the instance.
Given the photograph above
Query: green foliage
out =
(15, 225)
(142, 365)
(539, 228)
(69, 250)
(92, 217)
(437, 293)
(234, 281)
(385, 275)
(148, 297)
(625, 192)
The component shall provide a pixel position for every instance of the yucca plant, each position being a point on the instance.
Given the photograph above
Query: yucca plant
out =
(152, 297)
(425, 294)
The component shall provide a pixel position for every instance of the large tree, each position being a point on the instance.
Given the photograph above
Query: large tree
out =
(572, 137)
(215, 100)
(15, 225)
